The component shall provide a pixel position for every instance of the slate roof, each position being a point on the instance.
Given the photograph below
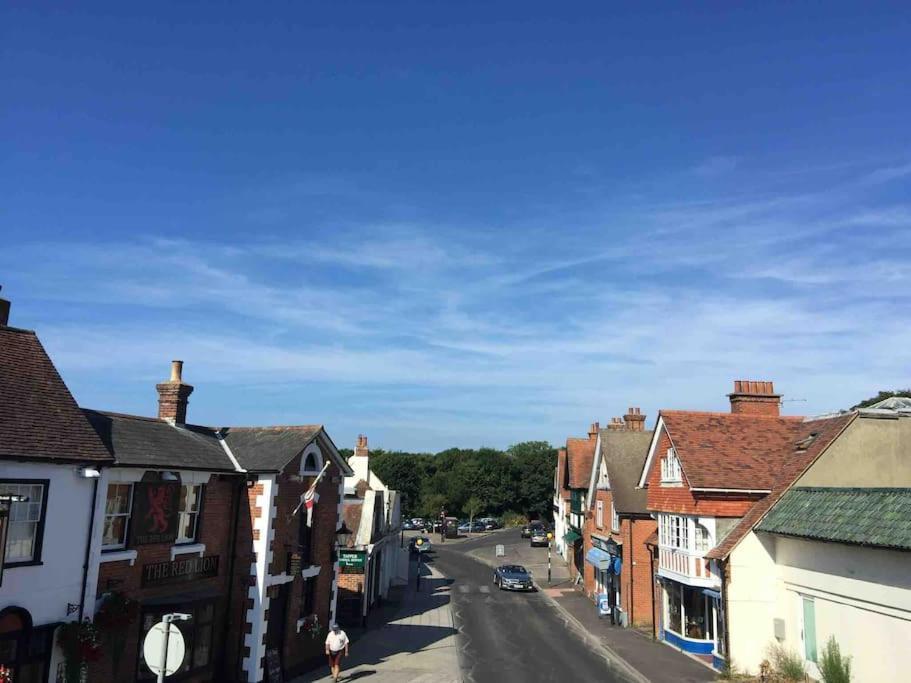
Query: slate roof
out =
(624, 454)
(730, 450)
(879, 517)
(268, 449)
(809, 441)
(150, 442)
(39, 418)
(580, 453)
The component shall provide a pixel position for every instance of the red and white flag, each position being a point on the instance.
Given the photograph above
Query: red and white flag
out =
(310, 497)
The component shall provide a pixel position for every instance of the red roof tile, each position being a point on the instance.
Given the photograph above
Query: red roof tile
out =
(729, 450)
(580, 455)
(810, 439)
(38, 416)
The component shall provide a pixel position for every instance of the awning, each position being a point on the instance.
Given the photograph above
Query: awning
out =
(598, 558)
(711, 593)
(571, 536)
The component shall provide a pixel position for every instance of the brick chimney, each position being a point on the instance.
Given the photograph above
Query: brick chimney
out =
(361, 447)
(635, 420)
(173, 396)
(4, 311)
(593, 431)
(615, 424)
(755, 398)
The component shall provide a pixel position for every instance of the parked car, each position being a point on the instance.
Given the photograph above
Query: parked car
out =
(538, 537)
(513, 577)
(426, 545)
(491, 524)
(530, 527)
(408, 525)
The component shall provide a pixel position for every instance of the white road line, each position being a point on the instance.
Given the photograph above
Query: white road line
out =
(463, 588)
(485, 589)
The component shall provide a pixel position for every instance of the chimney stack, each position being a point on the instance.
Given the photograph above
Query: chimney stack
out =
(615, 424)
(4, 311)
(755, 398)
(593, 431)
(361, 447)
(173, 396)
(635, 420)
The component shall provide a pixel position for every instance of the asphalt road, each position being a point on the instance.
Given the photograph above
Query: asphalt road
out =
(506, 636)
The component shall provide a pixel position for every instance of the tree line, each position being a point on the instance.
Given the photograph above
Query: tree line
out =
(484, 481)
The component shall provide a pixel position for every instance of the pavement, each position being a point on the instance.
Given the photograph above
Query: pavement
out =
(417, 645)
(634, 655)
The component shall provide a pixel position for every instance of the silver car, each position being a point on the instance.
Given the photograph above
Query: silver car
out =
(513, 577)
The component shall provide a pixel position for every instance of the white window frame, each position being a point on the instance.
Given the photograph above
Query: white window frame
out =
(28, 509)
(313, 450)
(702, 541)
(126, 527)
(674, 532)
(599, 513)
(183, 514)
(614, 517)
(670, 468)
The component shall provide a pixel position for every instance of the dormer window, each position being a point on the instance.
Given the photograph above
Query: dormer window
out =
(670, 468)
(311, 461)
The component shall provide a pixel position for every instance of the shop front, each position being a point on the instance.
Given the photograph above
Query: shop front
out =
(691, 618)
(605, 557)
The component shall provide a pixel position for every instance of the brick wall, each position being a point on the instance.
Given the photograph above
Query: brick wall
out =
(215, 532)
(636, 576)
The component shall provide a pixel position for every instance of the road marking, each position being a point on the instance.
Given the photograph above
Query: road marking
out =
(485, 589)
(463, 588)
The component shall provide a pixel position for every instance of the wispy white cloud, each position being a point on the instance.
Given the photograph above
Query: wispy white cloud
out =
(435, 336)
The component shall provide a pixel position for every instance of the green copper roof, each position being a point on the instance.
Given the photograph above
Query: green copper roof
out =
(866, 516)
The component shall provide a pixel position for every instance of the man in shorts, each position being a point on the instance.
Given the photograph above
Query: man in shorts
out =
(336, 645)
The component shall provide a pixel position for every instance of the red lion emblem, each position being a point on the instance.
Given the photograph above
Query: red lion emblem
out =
(158, 508)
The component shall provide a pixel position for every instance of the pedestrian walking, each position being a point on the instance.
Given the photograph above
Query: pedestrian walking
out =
(336, 645)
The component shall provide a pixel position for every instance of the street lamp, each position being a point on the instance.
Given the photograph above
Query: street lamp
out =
(343, 535)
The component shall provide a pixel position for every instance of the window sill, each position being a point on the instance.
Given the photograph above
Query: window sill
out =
(672, 482)
(187, 548)
(118, 556)
(30, 563)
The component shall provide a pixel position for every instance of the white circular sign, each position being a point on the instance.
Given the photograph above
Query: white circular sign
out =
(153, 646)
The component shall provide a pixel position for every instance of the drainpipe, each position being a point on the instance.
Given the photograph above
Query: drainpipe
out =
(240, 489)
(651, 562)
(632, 577)
(725, 570)
(88, 548)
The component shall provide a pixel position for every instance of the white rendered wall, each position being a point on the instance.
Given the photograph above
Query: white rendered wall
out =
(751, 602)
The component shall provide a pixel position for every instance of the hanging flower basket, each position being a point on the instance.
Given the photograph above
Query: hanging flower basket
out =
(6, 675)
(116, 613)
(81, 644)
(311, 626)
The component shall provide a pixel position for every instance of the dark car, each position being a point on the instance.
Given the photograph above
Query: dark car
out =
(425, 547)
(513, 577)
(491, 524)
(539, 537)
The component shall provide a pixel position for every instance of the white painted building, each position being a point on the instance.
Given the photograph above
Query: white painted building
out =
(50, 462)
(832, 556)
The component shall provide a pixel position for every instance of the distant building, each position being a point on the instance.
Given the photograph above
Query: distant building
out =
(579, 455)
(618, 522)
(377, 559)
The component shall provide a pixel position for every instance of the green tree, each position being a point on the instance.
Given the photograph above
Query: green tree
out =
(536, 462)
(473, 506)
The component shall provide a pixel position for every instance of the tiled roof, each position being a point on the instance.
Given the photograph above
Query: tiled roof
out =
(810, 440)
(268, 448)
(579, 456)
(878, 517)
(730, 450)
(39, 418)
(150, 442)
(624, 453)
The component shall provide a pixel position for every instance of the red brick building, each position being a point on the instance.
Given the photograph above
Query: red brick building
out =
(704, 472)
(579, 456)
(618, 522)
(209, 522)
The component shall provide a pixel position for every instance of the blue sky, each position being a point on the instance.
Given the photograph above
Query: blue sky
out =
(459, 223)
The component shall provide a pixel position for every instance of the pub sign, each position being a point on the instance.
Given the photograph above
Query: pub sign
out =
(155, 513)
(352, 561)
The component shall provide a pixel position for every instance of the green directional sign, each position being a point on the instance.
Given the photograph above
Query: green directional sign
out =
(352, 561)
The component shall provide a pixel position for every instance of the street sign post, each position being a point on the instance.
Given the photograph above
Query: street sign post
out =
(550, 538)
(163, 646)
(418, 543)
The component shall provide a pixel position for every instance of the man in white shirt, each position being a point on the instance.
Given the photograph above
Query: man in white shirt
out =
(336, 644)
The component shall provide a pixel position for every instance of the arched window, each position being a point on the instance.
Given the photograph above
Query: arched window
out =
(703, 538)
(311, 461)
